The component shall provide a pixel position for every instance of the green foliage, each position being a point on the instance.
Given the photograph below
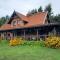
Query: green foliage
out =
(55, 19)
(34, 43)
(3, 20)
(40, 9)
(32, 12)
(49, 9)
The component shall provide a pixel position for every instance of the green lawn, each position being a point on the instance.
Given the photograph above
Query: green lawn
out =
(26, 52)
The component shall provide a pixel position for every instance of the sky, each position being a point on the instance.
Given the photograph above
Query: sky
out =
(23, 6)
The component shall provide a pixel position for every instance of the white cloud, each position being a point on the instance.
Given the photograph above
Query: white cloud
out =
(23, 6)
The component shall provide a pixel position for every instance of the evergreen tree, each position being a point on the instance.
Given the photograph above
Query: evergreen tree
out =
(48, 9)
(32, 12)
(40, 9)
(3, 20)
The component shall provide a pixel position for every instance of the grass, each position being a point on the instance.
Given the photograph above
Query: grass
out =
(27, 52)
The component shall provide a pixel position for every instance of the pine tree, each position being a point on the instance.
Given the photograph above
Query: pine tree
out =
(40, 9)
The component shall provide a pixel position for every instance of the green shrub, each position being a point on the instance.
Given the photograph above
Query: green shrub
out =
(34, 43)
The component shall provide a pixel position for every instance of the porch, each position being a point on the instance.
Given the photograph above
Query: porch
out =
(33, 33)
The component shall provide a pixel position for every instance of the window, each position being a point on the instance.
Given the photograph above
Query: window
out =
(20, 22)
(14, 23)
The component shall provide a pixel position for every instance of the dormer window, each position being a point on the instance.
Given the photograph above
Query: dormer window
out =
(20, 22)
(14, 23)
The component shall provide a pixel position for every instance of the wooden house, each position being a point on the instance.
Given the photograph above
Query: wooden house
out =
(28, 27)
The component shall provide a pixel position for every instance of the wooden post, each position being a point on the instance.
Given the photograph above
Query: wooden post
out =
(6, 35)
(37, 34)
(11, 35)
(14, 34)
(1, 36)
(24, 34)
(54, 31)
(30, 37)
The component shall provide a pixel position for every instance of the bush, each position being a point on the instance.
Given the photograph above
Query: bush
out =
(34, 43)
(16, 41)
(52, 42)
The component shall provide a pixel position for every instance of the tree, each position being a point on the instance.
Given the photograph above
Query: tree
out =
(3, 20)
(32, 12)
(7, 17)
(29, 13)
(57, 18)
(40, 9)
(48, 9)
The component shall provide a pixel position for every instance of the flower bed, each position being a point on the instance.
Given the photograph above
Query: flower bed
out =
(16, 41)
(52, 42)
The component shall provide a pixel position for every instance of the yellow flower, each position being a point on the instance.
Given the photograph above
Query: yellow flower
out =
(16, 41)
(53, 42)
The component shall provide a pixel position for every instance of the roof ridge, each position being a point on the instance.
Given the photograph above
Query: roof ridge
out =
(36, 14)
(19, 13)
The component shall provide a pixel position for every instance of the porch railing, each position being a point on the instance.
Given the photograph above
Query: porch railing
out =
(34, 37)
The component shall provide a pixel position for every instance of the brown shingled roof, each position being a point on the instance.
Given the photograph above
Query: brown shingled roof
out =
(36, 19)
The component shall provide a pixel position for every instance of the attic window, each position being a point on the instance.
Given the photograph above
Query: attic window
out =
(20, 22)
(14, 23)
